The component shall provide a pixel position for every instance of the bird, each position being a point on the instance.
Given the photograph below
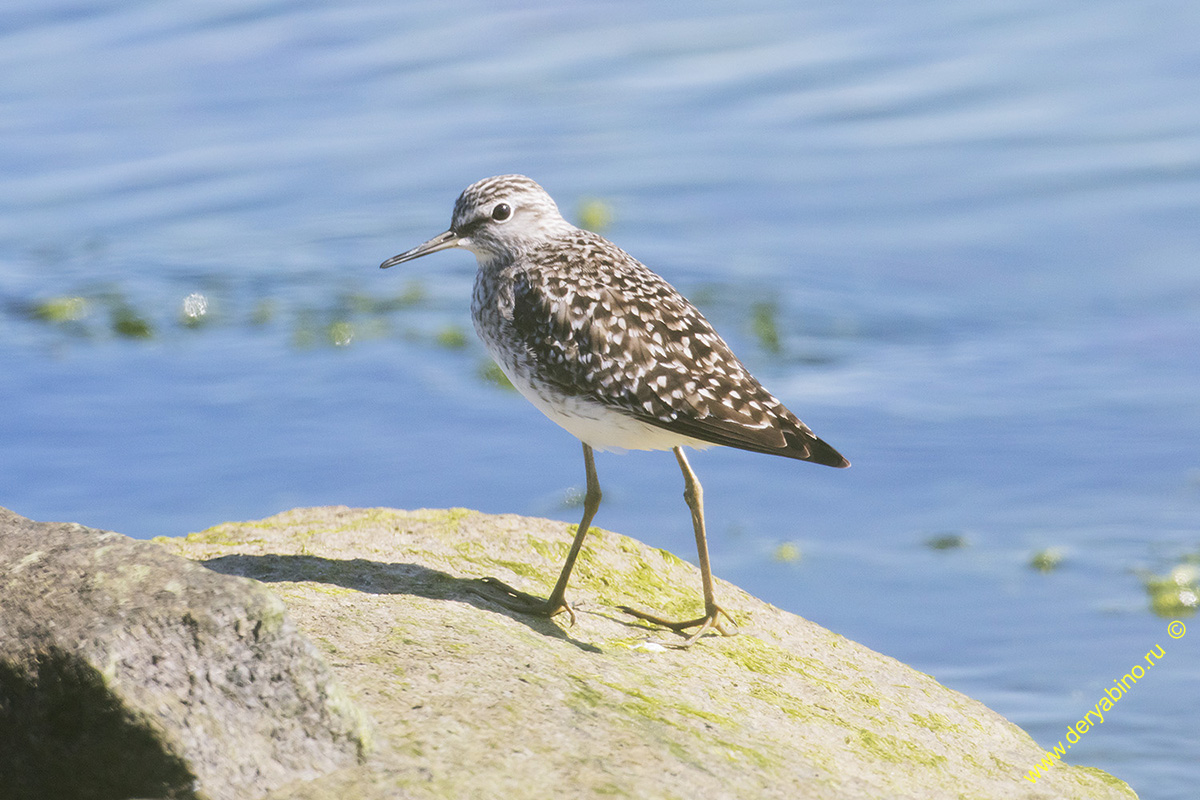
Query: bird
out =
(614, 354)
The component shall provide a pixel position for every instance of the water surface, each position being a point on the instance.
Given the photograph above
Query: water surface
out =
(960, 242)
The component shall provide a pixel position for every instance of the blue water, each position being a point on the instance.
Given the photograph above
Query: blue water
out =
(973, 228)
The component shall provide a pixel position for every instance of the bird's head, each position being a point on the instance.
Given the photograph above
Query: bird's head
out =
(496, 219)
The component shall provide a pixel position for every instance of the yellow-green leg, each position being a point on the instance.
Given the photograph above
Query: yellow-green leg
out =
(502, 594)
(694, 495)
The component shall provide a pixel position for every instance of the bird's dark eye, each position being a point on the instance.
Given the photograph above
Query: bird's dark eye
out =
(501, 212)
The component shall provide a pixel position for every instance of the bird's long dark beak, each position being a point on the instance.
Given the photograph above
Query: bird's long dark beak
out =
(443, 241)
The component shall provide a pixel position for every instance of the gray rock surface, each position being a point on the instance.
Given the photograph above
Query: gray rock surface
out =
(473, 701)
(126, 671)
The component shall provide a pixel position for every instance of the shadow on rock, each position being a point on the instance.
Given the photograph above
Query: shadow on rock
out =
(373, 577)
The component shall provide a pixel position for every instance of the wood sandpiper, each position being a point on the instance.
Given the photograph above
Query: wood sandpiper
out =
(611, 352)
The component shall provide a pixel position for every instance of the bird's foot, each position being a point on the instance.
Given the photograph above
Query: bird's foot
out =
(500, 593)
(710, 620)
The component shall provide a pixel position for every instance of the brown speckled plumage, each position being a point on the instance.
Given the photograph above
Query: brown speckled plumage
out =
(573, 316)
(612, 353)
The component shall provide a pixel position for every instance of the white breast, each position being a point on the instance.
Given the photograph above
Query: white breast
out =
(602, 427)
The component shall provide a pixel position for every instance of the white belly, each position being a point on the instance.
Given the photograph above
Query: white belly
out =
(599, 426)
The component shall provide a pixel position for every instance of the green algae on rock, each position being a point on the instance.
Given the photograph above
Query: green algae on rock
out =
(472, 700)
(126, 671)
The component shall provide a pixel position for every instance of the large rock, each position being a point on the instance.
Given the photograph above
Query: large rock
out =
(126, 671)
(471, 700)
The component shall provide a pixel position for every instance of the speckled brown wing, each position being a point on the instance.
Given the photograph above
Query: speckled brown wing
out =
(598, 324)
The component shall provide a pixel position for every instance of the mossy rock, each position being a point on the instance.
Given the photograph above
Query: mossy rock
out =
(126, 671)
(472, 700)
